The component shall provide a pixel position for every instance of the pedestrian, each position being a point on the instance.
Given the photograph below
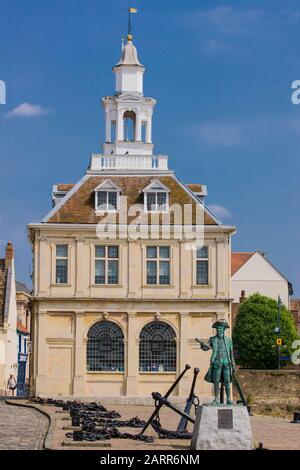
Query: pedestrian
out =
(12, 384)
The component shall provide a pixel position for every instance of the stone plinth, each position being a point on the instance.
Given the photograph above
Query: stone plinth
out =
(222, 427)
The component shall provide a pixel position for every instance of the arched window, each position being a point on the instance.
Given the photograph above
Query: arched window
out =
(129, 126)
(105, 347)
(157, 348)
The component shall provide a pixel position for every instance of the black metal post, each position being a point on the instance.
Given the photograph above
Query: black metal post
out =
(279, 334)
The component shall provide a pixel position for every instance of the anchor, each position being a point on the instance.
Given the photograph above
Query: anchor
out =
(154, 420)
(181, 431)
(159, 405)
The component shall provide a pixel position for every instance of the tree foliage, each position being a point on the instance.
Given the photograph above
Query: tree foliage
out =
(254, 334)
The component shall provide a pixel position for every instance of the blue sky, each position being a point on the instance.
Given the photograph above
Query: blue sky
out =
(222, 74)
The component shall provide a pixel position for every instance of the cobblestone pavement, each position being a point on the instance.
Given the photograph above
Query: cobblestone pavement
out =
(21, 428)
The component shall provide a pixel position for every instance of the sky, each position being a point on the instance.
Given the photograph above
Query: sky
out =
(221, 72)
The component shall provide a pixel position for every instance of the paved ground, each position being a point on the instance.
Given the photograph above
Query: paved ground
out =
(21, 428)
(274, 433)
(24, 428)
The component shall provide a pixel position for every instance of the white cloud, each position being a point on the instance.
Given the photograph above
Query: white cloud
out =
(235, 133)
(219, 133)
(28, 110)
(230, 20)
(220, 211)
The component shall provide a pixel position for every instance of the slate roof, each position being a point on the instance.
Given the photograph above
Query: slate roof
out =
(21, 287)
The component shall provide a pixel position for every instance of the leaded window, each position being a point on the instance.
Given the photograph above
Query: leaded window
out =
(157, 352)
(105, 348)
(202, 266)
(158, 265)
(61, 267)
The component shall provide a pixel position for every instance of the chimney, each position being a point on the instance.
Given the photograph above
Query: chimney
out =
(9, 254)
(243, 296)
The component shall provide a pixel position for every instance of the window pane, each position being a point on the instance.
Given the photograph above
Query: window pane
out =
(61, 271)
(62, 251)
(162, 200)
(151, 272)
(151, 252)
(112, 200)
(100, 251)
(102, 199)
(105, 348)
(164, 272)
(202, 252)
(164, 252)
(151, 201)
(113, 252)
(202, 272)
(112, 275)
(99, 272)
(157, 349)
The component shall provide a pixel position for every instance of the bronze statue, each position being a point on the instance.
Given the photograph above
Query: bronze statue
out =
(221, 361)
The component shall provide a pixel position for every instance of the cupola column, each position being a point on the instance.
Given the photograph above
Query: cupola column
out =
(120, 127)
(107, 126)
(138, 127)
(149, 130)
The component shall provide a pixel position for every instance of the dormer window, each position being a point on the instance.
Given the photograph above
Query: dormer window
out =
(107, 196)
(156, 197)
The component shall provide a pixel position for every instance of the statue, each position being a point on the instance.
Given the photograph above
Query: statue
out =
(221, 362)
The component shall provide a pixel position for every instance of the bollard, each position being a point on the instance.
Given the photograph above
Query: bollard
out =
(296, 419)
(76, 420)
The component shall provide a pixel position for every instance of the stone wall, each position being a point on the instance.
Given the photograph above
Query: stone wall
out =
(270, 386)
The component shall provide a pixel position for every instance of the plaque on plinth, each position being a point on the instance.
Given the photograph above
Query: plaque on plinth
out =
(222, 427)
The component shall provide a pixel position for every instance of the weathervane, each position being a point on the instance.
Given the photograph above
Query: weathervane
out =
(130, 12)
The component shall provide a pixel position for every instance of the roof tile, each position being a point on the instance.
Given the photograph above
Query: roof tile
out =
(79, 208)
(238, 259)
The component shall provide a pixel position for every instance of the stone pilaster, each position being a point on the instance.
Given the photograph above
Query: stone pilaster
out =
(132, 356)
(184, 384)
(80, 355)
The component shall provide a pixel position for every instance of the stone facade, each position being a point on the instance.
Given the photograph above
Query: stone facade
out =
(73, 298)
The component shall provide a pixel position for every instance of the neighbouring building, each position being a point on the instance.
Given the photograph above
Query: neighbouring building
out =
(118, 296)
(23, 297)
(8, 319)
(252, 272)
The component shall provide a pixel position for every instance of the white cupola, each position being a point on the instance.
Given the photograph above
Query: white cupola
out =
(129, 71)
(128, 114)
(128, 121)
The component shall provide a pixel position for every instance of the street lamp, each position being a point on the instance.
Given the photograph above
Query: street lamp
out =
(277, 328)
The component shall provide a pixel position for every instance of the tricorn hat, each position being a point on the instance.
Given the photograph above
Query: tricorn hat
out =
(222, 323)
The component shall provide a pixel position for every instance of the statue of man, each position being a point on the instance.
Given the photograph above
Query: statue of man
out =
(221, 361)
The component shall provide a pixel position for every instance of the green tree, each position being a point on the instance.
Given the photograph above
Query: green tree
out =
(254, 335)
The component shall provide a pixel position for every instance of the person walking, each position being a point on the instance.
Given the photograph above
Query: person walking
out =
(12, 384)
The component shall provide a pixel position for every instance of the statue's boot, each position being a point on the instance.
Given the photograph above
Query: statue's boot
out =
(229, 402)
(215, 402)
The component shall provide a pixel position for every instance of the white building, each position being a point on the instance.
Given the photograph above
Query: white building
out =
(8, 319)
(252, 272)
